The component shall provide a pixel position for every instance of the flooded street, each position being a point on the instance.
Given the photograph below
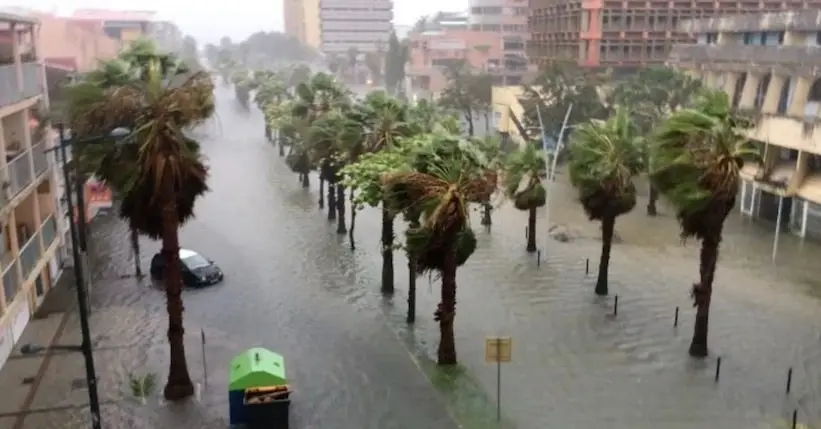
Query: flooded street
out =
(293, 285)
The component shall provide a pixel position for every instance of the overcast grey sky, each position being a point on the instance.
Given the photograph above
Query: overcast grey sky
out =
(210, 20)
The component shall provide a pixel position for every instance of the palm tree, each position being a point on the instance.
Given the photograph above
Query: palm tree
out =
(444, 180)
(526, 166)
(385, 120)
(696, 158)
(317, 96)
(160, 172)
(491, 147)
(333, 138)
(604, 157)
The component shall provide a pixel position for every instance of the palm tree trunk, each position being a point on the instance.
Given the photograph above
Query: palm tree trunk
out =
(531, 230)
(179, 384)
(321, 192)
(608, 225)
(414, 223)
(340, 209)
(306, 179)
(331, 201)
(446, 311)
(651, 201)
(469, 119)
(702, 292)
(387, 250)
(353, 220)
(134, 238)
(267, 133)
(281, 146)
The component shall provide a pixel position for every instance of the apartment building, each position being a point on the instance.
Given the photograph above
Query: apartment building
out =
(626, 34)
(769, 64)
(125, 26)
(361, 24)
(448, 37)
(302, 21)
(29, 236)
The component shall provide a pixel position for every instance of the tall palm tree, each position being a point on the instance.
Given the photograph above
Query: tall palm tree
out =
(696, 158)
(160, 172)
(524, 171)
(333, 138)
(604, 158)
(386, 121)
(444, 180)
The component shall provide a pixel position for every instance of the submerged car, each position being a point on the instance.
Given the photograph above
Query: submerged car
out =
(196, 270)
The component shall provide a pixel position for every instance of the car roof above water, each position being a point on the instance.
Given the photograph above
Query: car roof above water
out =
(185, 253)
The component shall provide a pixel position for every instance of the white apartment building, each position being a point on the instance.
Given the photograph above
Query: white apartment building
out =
(29, 237)
(362, 24)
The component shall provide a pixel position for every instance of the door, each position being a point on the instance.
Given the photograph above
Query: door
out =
(39, 290)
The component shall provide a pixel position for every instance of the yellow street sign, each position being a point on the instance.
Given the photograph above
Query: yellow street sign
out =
(498, 349)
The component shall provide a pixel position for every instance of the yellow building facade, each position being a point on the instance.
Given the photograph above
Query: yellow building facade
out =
(29, 232)
(302, 21)
(770, 66)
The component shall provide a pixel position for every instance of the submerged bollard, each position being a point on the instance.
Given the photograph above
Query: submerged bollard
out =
(538, 258)
(616, 306)
(789, 380)
(718, 368)
(586, 266)
(795, 418)
(675, 319)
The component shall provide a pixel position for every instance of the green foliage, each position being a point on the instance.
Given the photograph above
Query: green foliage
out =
(142, 386)
(653, 93)
(420, 243)
(696, 158)
(554, 90)
(365, 175)
(604, 157)
(395, 60)
(525, 167)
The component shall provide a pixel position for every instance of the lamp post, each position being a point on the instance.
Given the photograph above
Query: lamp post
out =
(79, 270)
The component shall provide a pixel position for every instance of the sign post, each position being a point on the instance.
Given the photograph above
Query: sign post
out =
(498, 351)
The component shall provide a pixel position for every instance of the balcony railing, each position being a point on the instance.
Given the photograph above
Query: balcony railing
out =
(30, 254)
(48, 231)
(12, 89)
(20, 174)
(11, 282)
(809, 56)
(40, 156)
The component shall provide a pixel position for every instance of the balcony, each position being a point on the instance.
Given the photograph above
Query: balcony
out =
(30, 254)
(787, 59)
(38, 152)
(20, 173)
(11, 281)
(12, 90)
(48, 230)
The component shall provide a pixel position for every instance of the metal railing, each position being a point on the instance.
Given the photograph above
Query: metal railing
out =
(30, 254)
(40, 158)
(747, 54)
(11, 282)
(12, 89)
(48, 231)
(20, 173)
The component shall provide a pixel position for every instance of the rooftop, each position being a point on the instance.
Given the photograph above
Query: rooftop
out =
(8, 16)
(114, 15)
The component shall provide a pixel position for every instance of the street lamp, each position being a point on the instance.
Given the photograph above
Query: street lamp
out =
(79, 274)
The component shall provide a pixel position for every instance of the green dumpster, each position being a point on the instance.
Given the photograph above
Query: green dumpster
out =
(252, 369)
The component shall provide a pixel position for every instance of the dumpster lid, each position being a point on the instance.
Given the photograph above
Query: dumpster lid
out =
(256, 367)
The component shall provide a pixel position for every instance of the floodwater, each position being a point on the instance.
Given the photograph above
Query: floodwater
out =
(294, 286)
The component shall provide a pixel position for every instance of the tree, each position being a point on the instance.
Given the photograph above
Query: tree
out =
(651, 95)
(604, 157)
(467, 92)
(375, 63)
(445, 176)
(160, 171)
(395, 61)
(527, 167)
(553, 91)
(695, 162)
(352, 63)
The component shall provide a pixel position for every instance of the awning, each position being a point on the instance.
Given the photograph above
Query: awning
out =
(810, 190)
(779, 179)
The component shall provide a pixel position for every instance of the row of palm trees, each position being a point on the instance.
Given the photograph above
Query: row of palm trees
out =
(410, 160)
(157, 171)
